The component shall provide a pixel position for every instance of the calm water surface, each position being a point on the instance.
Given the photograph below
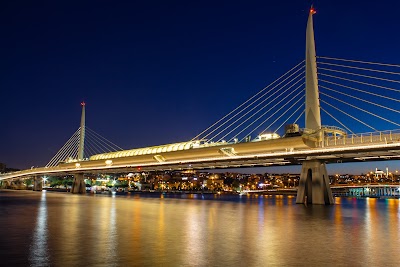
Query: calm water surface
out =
(61, 229)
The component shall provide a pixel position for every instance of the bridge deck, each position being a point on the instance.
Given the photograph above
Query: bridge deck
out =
(284, 151)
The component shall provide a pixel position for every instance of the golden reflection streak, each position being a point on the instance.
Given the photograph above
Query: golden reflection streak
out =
(103, 218)
(161, 230)
(70, 219)
(136, 233)
(105, 224)
(272, 234)
(211, 227)
(195, 238)
(339, 229)
(38, 250)
(370, 213)
(112, 248)
(393, 206)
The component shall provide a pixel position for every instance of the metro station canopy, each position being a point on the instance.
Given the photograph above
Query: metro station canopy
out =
(173, 147)
(151, 150)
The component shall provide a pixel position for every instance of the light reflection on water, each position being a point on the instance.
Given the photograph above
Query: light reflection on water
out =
(189, 230)
(38, 251)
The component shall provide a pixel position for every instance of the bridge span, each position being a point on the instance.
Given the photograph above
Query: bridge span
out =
(363, 147)
(219, 146)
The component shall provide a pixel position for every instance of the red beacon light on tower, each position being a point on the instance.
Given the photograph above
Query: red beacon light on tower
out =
(312, 11)
(83, 104)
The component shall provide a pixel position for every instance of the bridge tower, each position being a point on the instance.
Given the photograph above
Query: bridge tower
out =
(79, 186)
(314, 181)
(82, 133)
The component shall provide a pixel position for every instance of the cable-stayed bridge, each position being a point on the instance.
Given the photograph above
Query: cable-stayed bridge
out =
(280, 125)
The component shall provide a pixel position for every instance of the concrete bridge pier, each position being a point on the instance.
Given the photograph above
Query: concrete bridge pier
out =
(79, 186)
(314, 184)
(37, 183)
(4, 184)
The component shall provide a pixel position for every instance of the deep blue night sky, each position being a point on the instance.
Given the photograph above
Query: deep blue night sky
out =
(157, 72)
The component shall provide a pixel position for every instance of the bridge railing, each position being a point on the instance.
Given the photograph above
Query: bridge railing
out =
(29, 172)
(389, 136)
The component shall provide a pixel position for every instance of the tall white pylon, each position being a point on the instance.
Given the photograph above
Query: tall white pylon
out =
(78, 186)
(313, 113)
(314, 181)
(82, 133)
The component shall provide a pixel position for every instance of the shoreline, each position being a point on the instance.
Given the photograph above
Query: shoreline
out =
(283, 192)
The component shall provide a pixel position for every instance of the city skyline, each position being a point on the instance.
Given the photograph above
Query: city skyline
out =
(142, 99)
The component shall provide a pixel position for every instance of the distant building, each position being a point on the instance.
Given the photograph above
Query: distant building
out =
(2, 167)
(379, 173)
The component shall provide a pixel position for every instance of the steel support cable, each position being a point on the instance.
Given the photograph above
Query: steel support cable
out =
(360, 99)
(364, 83)
(197, 136)
(74, 154)
(357, 68)
(272, 123)
(68, 151)
(99, 145)
(62, 148)
(90, 150)
(260, 115)
(256, 111)
(74, 148)
(74, 145)
(360, 75)
(95, 148)
(106, 142)
(106, 147)
(251, 99)
(291, 81)
(347, 128)
(354, 118)
(87, 152)
(289, 117)
(359, 90)
(366, 111)
(298, 118)
(114, 146)
(270, 115)
(359, 61)
(61, 152)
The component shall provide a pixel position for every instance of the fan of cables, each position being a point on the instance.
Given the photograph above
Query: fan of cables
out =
(94, 144)
(359, 95)
(268, 110)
